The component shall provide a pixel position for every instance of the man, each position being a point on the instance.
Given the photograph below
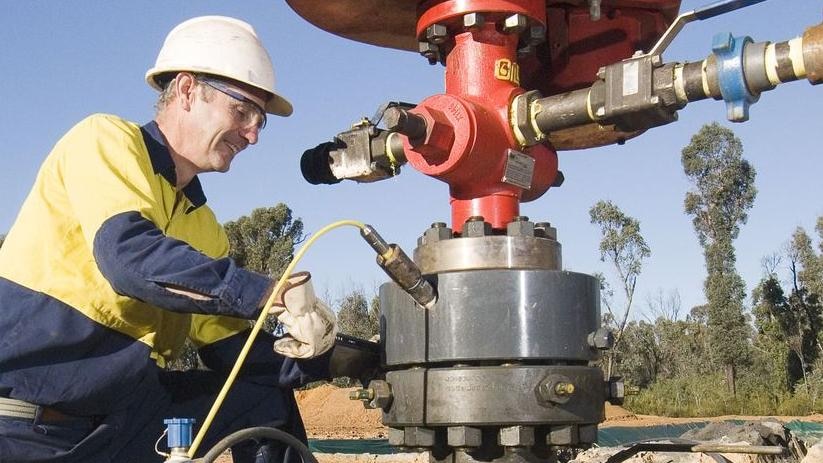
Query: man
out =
(114, 260)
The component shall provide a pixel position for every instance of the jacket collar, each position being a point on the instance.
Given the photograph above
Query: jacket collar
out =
(162, 164)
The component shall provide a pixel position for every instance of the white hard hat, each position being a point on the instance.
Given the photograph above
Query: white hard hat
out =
(222, 47)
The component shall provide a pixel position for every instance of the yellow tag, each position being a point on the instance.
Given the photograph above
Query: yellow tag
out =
(504, 69)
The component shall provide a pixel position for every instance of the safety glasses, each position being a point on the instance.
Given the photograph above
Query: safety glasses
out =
(248, 116)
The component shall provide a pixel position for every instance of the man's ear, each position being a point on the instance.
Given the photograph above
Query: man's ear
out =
(186, 89)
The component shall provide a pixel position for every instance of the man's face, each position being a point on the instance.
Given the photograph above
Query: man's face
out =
(225, 119)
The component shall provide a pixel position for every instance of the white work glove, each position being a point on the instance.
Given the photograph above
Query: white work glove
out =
(311, 325)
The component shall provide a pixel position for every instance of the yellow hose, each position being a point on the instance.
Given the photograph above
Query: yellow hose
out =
(256, 329)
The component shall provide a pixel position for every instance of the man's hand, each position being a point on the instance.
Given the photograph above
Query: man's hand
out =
(311, 325)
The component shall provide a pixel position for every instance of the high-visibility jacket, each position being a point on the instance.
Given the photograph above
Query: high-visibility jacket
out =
(85, 313)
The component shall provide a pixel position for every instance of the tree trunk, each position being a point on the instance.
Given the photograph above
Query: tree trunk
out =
(731, 375)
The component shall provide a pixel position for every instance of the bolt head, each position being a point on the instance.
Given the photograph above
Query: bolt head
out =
(475, 228)
(559, 179)
(616, 390)
(473, 20)
(437, 233)
(601, 339)
(437, 33)
(416, 436)
(381, 394)
(562, 435)
(516, 436)
(515, 23)
(545, 230)
(520, 227)
(463, 436)
(396, 436)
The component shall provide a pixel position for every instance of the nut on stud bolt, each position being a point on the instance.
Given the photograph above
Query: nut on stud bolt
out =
(473, 20)
(515, 24)
(437, 33)
(365, 394)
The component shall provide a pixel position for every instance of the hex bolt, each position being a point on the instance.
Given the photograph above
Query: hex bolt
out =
(437, 34)
(615, 390)
(545, 230)
(476, 226)
(559, 179)
(429, 51)
(515, 24)
(416, 436)
(381, 395)
(438, 232)
(601, 339)
(397, 436)
(516, 436)
(562, 435)
(463, 436)
(473, 20)
(520, 226)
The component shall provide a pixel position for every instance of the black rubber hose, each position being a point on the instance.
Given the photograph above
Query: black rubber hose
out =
(259, 432)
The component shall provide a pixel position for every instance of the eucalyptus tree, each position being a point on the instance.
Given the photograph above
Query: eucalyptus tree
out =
(722, 192)
(622, 245)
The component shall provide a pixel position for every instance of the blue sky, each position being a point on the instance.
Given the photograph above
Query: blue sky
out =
(65, 60)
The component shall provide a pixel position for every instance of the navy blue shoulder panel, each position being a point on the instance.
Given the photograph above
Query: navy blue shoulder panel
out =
(263, 365)
(162, 164)
(52, 354)
(140, 261)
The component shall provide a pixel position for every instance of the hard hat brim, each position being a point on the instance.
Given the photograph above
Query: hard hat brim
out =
(279, 106)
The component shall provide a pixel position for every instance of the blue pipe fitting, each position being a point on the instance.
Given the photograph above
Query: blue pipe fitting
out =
(731, 75)
(179, 432)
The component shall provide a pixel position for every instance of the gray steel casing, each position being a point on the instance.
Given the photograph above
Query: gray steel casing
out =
(487, 396)
(503, 315)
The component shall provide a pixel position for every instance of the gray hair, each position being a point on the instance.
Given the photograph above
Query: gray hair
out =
(169, 93)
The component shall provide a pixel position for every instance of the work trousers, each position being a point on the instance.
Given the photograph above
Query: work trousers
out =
(129, 436)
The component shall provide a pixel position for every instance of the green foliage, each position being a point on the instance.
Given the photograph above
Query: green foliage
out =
(685, 395)
(262, 242)
(723, 181)
(356, 317)
(723, 193)
(2, 239)
(663, 350)
(805, 265)
(623, 246)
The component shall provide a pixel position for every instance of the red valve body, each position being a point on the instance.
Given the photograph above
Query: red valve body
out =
(469, 135)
